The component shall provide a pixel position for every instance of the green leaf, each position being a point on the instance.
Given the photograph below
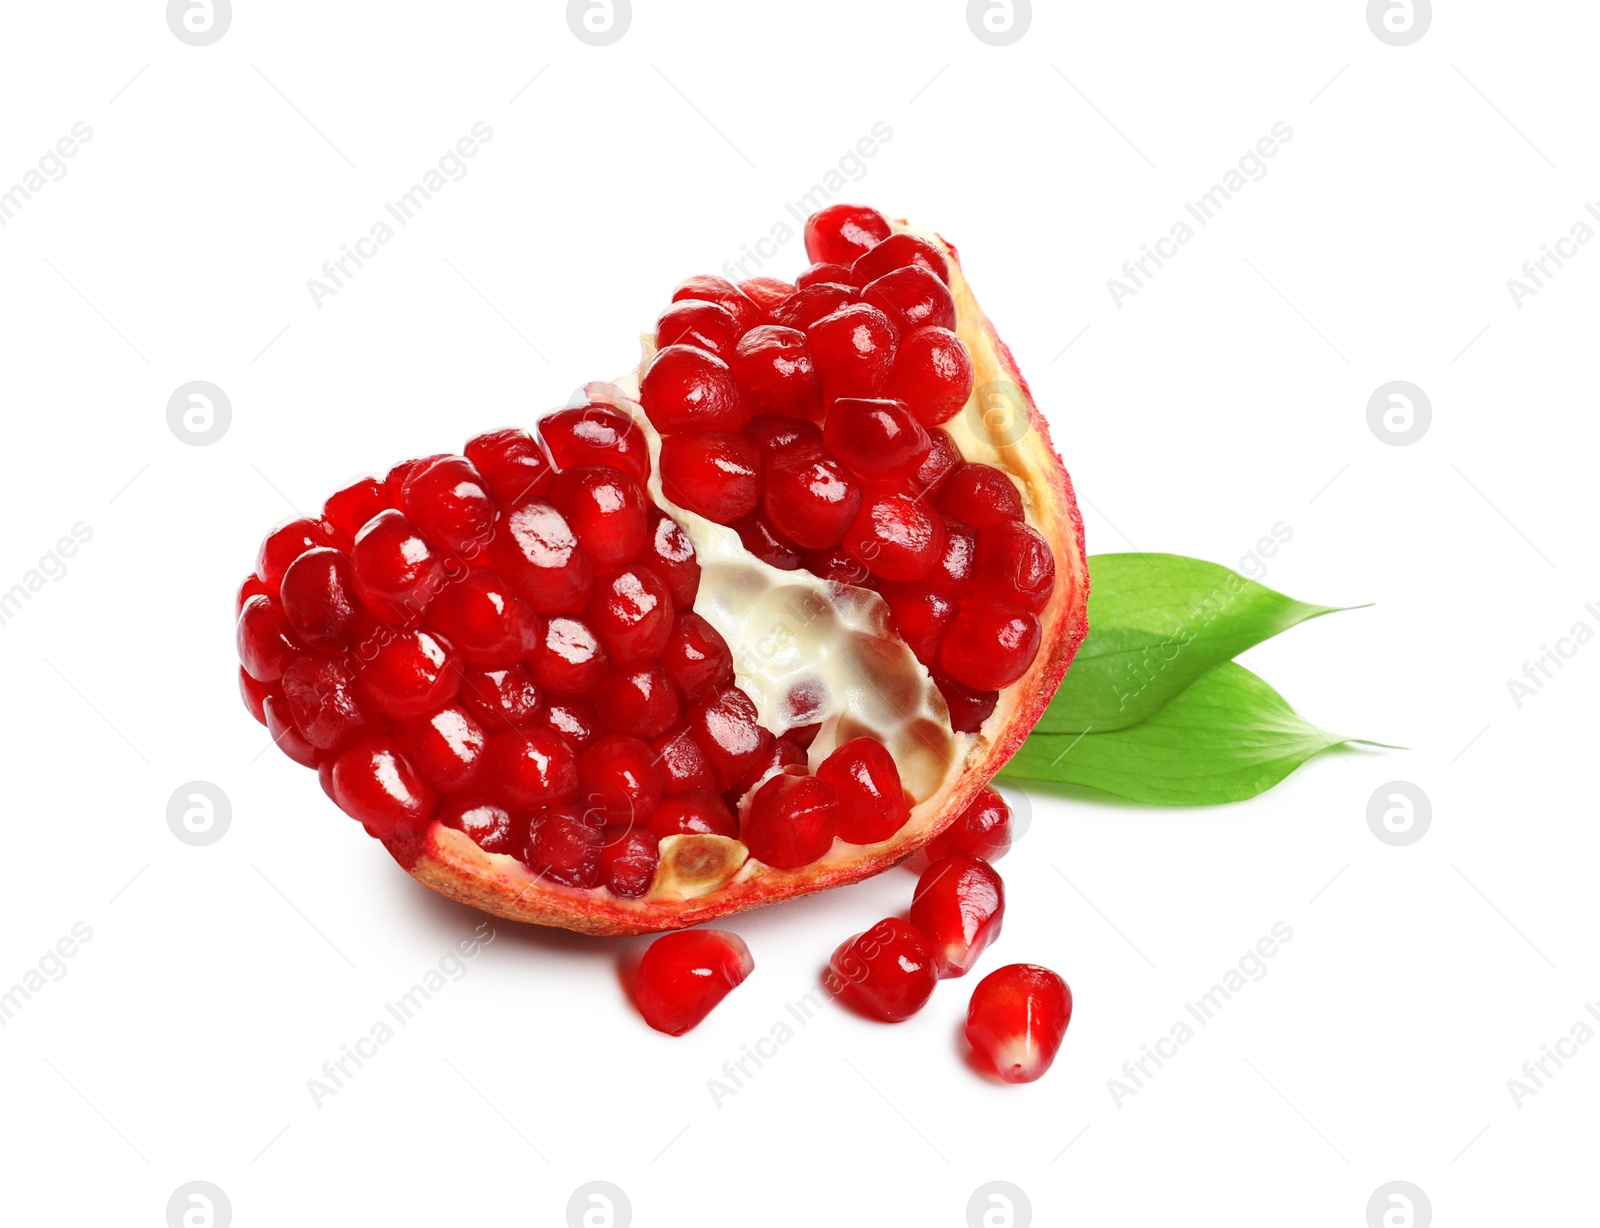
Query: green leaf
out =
(1227, 737)
(1156, 623)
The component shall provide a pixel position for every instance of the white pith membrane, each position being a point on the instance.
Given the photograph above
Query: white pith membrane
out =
(792, 631)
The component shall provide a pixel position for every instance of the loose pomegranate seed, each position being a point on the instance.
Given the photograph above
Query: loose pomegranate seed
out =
(670, 554)
(485, 620)
(696, 657)
(348, 509)
(321, 699)
(683, 763)
(698, 812)
(489, 826)
(791, 821)
(726, 726)
(841, 233)
(766, 292)
(877, 438)
(955, 573)
(989, 644)
(574, 719)
(762, 539)
(606, 509)
(265, 645)
(640, 701)
(375, 784)
(447, 748)
(983, 830)
(900, 251)
(397, 572)
(969, 708)
(897, 537)
(620, 777)
(932, 374)
(289, 739)
(317, 596)
(772, 434)
(689, 389)
(285, 544)
(563, 848)
(872, 803)
(809, 497)
(631, 611)
(568, 658)
(775, 372)
(942, 461)
(410, 673)
(628, 864)
(513, 463)
(886, 973)
(683, 976)
(707, 326)
(254, 695)
(921, 613)
(503, 698)
(912, 298)
(1015, 563)
(530, 767)
(812, 303)
(596, 435)
(717, 474)
(724, 293)
(536, 549)
(1017, 1019)
(839, 566)
(981, 495)
(959, 906)
(448, 499)
(853, 350)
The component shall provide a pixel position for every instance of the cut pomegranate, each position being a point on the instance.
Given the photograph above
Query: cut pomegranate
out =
(886, 972)
(683, 976)
(1017, 1019)
(958, 906)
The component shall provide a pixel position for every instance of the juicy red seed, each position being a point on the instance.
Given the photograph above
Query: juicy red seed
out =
(810, 498)
(873, 805)
(606, 509)
(683, 763)
(955, 572)
(489, 826)
(320, 695)
(536, 549)
(698, 812)
(512, 462)
(318, 598)
(564, 849)
(812, 303)
(804, 735)
(921, 614)
(775, 372)
(255, 586)
(689, 389)
(717, 474)
(725, 294)
(886, 973)
(959, 905)
(631, 611)
(620, 777)
(766, 292)
(942, 461)
(841, 233)
(898, 252)
(574, 719)
(791, 821)
(397, 573)
(707, 326)
(449, 501)
(853, 351)
(254, 695)
(394, 482)
(696, 657)
(409, 673)
(447, 748)
(639, 701)
(785, 756)
(530, 767)
(375, 784)
(285, 544)
(1014, 562)
(839, 566)
(983, 830)
(912, 298)
(1017, 1019)
(485, 620)
(897, 537)
(989, 644)
(683, 976)
(265, 645)
(822, 273)
(628, 864)
(879, 439)
(969, 708)
(670, 554)
(772, 434)
(348, 509)
(501, 698)
(569, 658)
(729, 732)
(290, 740)
(932, 374)
(596, 435)
(762, 539)
(981, 495)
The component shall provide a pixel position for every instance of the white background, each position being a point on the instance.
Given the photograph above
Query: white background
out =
(1228, 395)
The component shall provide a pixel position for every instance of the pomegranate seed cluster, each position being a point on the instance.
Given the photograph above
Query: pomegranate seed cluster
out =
(807, 417)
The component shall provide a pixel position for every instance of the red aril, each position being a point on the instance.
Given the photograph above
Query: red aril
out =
(775, 372)
(576, 720)
(912, 298)
(447, 499)
(487, 825)
(620, 777)
(535, 548)
(375, 784)
(897, 537)
(1014, 563)
(808, 305)
(563, 848)
(841, 233)
(717, 474)
(728, 730)
(530, 767)
(410, 673)
(853, 350)
(1017, 1019)
(485, 619)
(596, 435)
(690, 389)
(725, 294)
(932, 374)
(822, 273)
(693, 812)
(809, 497)
(670, 554)
(318, 598)
(265, 645)
(989, 644)
(772, 434)
(955, 573)
(447, 748)
(875, 437)
(606, 509)
(639, 700)
(886, 972)
(628, 863)
(899, 251)
(288, 738)
(981, 495)
(683, 976)
(766, 292)
(568, 658)
(501, 698)
(707, 326)
(397, 572)
(969, 707)
(873, 805)
(683, 764)
(791, 821)
(696, 657)
(285, 544)
(959, 905)
(347, 509)
(512, 462)
(631, 611)
(921, 613)
(983, 830)
(320, 697)
(942, 460)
